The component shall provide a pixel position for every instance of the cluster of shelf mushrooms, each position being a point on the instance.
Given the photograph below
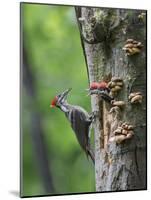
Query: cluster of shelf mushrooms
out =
(112, 88)
(132, 47)
(115, 85)
(123, 132)
(135, 97)
(141, 16)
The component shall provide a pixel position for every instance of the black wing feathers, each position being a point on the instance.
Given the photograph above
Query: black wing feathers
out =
(81, 129)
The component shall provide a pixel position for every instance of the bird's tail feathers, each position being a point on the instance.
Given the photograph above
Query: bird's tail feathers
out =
(90, 153)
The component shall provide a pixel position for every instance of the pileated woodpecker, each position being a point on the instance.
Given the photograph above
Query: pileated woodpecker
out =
(79, 119)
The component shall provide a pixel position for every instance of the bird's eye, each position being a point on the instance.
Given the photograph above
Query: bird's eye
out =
(59, 95)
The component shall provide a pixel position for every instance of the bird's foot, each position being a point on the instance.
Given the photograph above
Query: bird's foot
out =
(94, 115)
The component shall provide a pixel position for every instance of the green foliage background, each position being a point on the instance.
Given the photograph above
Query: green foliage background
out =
(52, 40)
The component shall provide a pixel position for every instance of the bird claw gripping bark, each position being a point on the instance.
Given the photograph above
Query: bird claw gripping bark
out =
(94, 115)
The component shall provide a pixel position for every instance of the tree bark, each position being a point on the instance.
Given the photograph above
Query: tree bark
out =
(104, 32)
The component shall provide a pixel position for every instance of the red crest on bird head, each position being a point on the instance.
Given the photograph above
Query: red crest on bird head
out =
(53, 102)
(60, 98)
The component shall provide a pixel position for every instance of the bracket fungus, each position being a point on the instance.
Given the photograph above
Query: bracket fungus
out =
(117, 105)
(115, 85)
(132, 47)
(141, 16)
(135, 97)
(120, 104)
(114, 109)
(122, 133)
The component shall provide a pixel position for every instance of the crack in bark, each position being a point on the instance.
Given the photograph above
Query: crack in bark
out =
(137, 166)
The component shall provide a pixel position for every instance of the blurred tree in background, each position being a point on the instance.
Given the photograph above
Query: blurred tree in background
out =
(55, 63)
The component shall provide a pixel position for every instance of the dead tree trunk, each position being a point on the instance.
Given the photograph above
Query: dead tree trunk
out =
(120, 165)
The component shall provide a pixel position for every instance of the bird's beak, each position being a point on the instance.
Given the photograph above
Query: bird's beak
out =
(65, 93)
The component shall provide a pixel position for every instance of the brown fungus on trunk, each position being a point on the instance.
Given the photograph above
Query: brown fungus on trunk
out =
(120, 104)
(135, 97)
(132, 47)
(122, 133)
(115, 85)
